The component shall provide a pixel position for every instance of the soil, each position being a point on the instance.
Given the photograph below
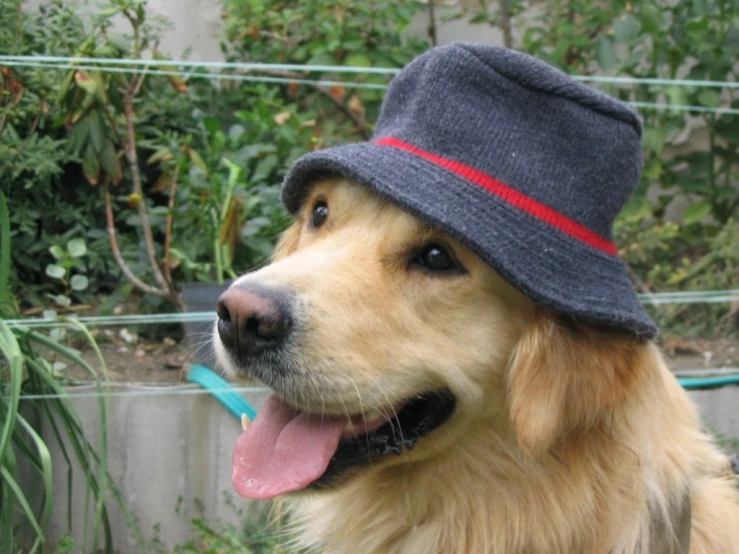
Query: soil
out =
(135, 360)
(166, 360)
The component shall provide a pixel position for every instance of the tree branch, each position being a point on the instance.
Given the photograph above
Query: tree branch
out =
(505, 23)
(168, 231)
(641, 285)
(133, 162)
(117, 256)
(359, 122)
(432, 23)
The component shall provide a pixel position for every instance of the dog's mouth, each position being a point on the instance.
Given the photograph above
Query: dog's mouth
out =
(287, 450)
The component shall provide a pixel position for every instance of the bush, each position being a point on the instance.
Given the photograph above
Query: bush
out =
(29, 361)
(185, 173)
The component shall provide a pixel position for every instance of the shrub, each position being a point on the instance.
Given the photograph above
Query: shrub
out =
(27, 368)
(186, 174)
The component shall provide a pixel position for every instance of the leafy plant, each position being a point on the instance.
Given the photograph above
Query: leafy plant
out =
(665, 256)
(258, 533)
(65, 261)
(693, 40)
(328, 33)
(26, 370)
(33, 149)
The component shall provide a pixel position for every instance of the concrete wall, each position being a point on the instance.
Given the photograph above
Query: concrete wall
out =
(164, 451)
(167, 450)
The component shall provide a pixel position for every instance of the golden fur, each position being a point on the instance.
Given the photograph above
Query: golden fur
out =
(567, 438)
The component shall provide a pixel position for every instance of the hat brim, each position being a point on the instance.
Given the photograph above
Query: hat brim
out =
(547, 265)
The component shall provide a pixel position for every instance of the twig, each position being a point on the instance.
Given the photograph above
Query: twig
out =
(432, 23)
(117, 256)
(168, 230)
(505, 23)
(114, 126)
(6, 111)
(360, 123)
(641, 285)
(130, 149)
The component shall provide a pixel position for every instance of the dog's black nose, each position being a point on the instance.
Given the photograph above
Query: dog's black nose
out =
(251, 319)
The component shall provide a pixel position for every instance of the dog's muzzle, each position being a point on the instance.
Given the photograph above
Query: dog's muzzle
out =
(253, 319)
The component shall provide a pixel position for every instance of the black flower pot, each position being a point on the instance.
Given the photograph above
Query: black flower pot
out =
(202, 297)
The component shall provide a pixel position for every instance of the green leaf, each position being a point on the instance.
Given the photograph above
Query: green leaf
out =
(111, 163)
(6, 304)
(709, 97)
(55, 271)
(57, 251)
(696, 27)
(63, 301)
(91, 165)
(676, 95)
(77, 248)
(654, 139)
(697, 212)
(79, 282)
(197, 160)
(97, 131)
(728, 130)
(359, 60)
(605, 53)
(264, 168)
(160, 155)
(86, 82)
(322, 59)
(77, 137)
(637, 208)
(626, 28)
(65, 86)
(650, 15)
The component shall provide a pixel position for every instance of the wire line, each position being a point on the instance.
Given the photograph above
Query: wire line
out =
(329, 83)
(252, 66)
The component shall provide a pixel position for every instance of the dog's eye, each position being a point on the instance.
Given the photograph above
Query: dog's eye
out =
(320, 214)
(435, 258)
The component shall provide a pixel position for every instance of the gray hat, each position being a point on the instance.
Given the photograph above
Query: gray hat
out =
(523, 165)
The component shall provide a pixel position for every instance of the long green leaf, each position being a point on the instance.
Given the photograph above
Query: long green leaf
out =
(4, 253)
(46, 472)
(10, 348)
(103, 407)
(9, 480)
(96, 484)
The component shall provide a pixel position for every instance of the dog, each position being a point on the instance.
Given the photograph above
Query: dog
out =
(423, 405)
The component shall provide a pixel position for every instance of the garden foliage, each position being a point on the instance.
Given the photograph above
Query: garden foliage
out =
(191, 165)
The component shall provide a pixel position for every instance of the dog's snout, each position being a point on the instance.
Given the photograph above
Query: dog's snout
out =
(251, 320)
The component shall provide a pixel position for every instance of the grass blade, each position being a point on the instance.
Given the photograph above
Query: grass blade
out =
(10, 348)
(46, 474)
(5, 295)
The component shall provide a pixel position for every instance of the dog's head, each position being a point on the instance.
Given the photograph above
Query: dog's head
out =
(379, 334)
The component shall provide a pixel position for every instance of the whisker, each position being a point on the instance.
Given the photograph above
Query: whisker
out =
(364, 415)
(394, 420)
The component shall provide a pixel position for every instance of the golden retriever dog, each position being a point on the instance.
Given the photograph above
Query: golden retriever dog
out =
(423, 406)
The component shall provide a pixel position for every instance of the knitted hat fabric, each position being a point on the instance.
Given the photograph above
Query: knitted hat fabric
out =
(519, 162)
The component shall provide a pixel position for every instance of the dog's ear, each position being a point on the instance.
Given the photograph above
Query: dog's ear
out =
(288, 242)
(565, 377)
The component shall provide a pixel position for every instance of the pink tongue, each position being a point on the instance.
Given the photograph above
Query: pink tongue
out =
(283, 450)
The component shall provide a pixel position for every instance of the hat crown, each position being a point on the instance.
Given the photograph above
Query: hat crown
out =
(519, 162)
(522, 122)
